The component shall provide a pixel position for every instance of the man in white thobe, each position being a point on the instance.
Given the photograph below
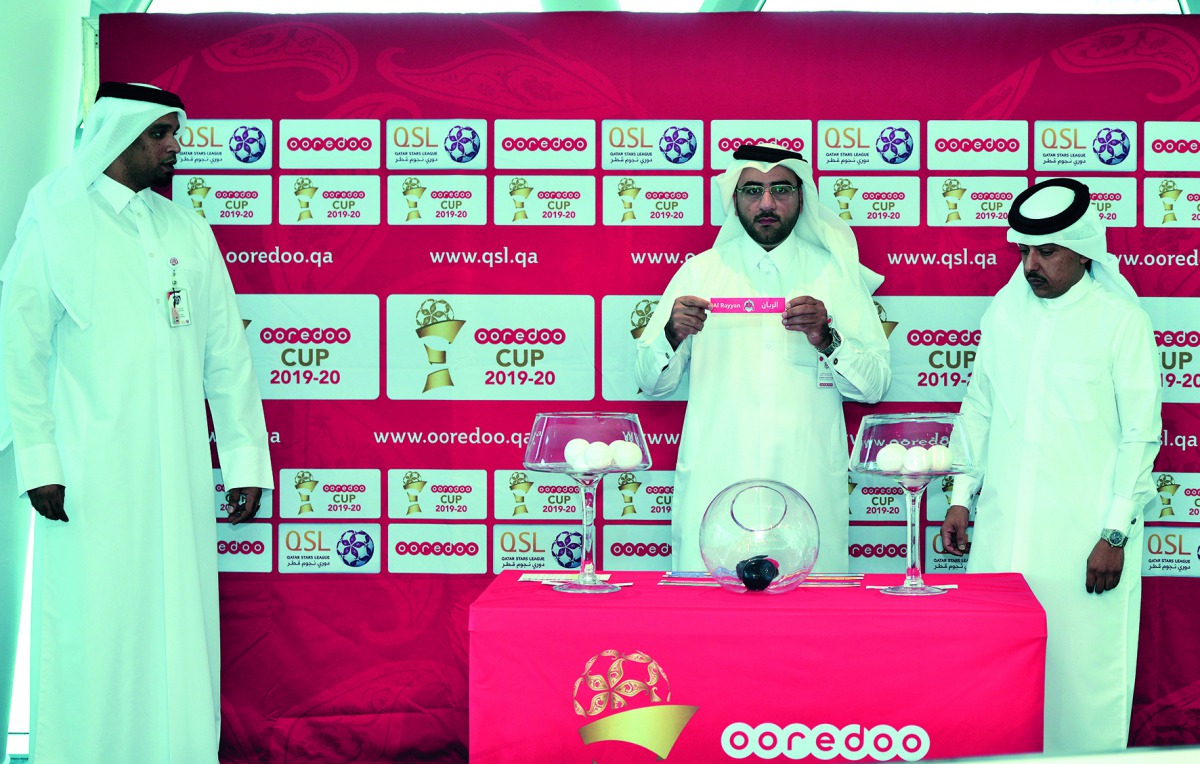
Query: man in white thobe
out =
(1063, 412)
(118, 320)
(766, 389)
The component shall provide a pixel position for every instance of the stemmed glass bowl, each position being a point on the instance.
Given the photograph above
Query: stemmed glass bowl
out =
(587, 446)
(912, 449)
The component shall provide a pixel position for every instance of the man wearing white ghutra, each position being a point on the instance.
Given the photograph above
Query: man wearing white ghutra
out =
(766, 386)
(1063, 414)
(118, 321)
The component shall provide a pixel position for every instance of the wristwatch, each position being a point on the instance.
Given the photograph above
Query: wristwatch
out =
(1114, 537)
(835, 342)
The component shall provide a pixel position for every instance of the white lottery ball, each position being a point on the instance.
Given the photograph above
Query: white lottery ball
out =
(916, 459)
(891, 457)
(627, 454)
(939, 458)
(598, 456)
(574, 450)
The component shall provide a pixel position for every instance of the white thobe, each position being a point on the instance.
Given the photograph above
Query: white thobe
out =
(125, 642)
(1063, 411)
(755, 409)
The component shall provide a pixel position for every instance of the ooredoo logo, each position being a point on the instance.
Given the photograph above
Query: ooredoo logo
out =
(733, 144)
(878, 550)
(545, 144)
(1173, 146)
(437, 548)
(1177, 339)
(330, 143)
(241, 547)
(968, 145)
(825, 741)
(630, 549)
(930, 337)
(627, 697)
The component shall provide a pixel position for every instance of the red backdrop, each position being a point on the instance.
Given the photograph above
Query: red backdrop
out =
(372, 667)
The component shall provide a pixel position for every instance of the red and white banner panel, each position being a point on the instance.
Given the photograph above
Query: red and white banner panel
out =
(439, 226)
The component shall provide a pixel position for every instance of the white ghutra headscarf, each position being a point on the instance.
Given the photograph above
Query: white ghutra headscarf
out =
(1055, 211)
(59, 202)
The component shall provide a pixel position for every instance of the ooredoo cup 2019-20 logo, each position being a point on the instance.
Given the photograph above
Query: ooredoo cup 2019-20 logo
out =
(881, 742)
(627, 697)
(435, 320)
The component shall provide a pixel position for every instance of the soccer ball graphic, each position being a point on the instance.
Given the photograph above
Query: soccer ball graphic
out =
(248, 144)
(1111, 145)
(567, 549)
(356, 548)
(678, 144)
(894, 144)
(462, 144)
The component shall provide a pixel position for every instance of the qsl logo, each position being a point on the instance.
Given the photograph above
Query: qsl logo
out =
(248, 144)
(677, 144)
(462, 144)
(1111, 145)
(356, 548)
(894, 145)
(567, 549)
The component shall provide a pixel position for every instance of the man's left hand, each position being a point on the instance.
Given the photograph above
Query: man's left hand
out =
(243, 504)
(807, 314)
(1104, 567)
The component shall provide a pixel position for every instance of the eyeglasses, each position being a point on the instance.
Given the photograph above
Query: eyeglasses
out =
(778, 190)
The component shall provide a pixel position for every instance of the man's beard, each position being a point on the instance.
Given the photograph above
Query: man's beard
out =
(774, 235)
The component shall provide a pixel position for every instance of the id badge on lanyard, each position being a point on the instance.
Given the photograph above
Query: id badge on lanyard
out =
(824, 372)
(179, 312)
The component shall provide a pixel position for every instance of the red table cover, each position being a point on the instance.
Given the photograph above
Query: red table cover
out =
(829, 673)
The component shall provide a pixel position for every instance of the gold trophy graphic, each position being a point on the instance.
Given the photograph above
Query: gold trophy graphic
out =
(1166, 489)
(888, 326)
(844, 191)
(850, 485)
(628, 485)
(519, 190)
(626, 697)
(304, 486)
(196, 191)
(628, 192)
(435, 318)
(519, 484)
(952, 192)
(947, 487)
(304, 191)
(412, 191)
(412, 486)
(639, 318)
(1169, 193)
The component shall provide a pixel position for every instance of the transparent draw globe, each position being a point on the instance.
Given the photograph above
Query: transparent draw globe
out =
(759, 536)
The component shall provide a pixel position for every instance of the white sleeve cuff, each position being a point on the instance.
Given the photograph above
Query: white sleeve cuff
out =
(1122, 515)
(38, 466)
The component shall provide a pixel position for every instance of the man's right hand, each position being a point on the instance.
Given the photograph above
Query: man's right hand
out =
(954, 531)
(687, 318)
(48, 501)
